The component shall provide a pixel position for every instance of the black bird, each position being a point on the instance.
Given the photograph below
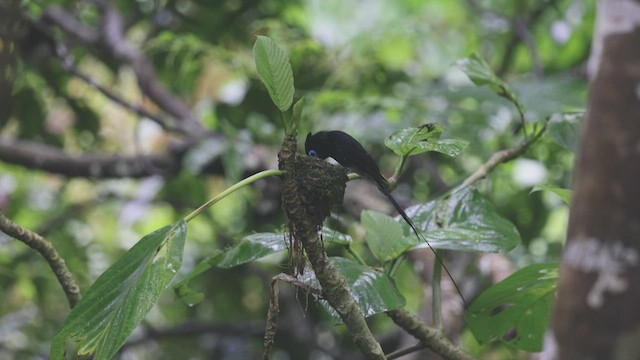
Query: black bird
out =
(347, 151)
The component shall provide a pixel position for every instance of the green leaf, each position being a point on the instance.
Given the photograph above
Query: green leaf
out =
(334, 236)
(516, 311)
(188, 295)
(416, 140)
(564, 194)
(275, 72)
(463, 220)
(564, 129)
(296, 116)
(123, 295)
(481, 74)
(385, 237)
(250, 248)
(373, 290)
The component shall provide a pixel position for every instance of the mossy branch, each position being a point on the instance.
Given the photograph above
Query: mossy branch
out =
(431, 338)
(305, 181)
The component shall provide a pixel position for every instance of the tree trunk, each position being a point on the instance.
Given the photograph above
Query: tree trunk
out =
(597, 315)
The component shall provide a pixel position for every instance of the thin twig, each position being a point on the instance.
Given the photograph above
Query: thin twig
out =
(504, 156)
(70, 66)
(408, 350)
(48, 252)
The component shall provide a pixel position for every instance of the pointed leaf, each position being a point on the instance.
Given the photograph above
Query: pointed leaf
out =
(463, 220)
(275, 72)
(481, 74)
(416, 140)
(516, 311)
(564, 194)
(123, 295)
(374, 291)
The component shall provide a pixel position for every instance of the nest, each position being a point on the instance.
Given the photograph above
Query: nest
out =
(320, 185)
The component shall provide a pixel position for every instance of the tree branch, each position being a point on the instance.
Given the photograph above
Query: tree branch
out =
(522, 33)
(431, 338)
(110, 37)
(69, 65)
(48, 252)
(113, 39)
(503, 156)
(38, 156)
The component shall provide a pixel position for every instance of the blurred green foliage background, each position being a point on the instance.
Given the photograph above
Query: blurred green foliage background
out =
(368, 68)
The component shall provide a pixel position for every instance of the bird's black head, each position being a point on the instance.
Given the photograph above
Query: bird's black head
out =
(315, 145)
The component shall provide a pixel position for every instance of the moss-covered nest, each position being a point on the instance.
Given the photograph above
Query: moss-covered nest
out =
(321, 186)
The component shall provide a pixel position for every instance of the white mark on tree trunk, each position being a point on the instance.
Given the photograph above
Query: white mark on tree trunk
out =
(608, 259)
(614, 17)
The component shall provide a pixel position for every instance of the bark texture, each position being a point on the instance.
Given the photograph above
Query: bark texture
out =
(597, 314)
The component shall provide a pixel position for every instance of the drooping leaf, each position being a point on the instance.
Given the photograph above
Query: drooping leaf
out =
(463, 220)
(385, 237)
(275, 72)
(481, 74)
(416, 140)
(123, 295)
(516, 311)
(373, 290)
(564, 129)
(564, 194)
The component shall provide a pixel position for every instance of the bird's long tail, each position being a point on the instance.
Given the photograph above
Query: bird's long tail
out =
(384, 188)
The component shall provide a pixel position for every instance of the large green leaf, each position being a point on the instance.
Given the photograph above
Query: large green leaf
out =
(516, 310)
(374, 291)
(481, 73)
(385, 236)
(123, 295)
(275, 71)
(463, 220)
(416, 140)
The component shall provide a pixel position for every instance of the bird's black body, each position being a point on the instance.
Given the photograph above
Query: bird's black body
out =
(349, 153)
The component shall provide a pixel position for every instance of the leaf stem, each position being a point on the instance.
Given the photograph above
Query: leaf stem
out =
(393, 180)
(356, 255)
(437, 292)
(251, 179)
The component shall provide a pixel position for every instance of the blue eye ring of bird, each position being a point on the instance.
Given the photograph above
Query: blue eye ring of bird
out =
(313, 153)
